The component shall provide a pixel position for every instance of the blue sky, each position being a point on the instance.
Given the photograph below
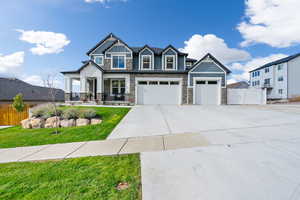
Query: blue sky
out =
(242, 34)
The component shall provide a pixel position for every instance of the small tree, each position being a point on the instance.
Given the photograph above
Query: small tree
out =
(18, 103)
(50, 83)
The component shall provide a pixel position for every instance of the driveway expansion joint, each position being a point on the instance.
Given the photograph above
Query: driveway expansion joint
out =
(46, 146)
(66, 156)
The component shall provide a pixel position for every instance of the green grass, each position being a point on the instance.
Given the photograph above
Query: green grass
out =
(80, 178)
(17, 136)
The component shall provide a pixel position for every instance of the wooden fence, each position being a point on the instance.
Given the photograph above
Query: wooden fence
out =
(9, 116)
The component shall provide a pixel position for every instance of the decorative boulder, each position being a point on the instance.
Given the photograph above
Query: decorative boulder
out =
(37, 123)
(52, 122)
(67, 123)
(26, 123)
(82, 122)
(95, 121)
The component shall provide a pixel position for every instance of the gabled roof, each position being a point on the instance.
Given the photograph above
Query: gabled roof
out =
(85, 64)
(178, 52)
(277, 62)
(215, 60)
(118, 41)
(10, 87)
(144, 47)
(99, 43)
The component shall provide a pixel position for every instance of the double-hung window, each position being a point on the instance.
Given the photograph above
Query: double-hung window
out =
(279, 67)
(280, 78)
(117, 87)
(98, 60)
(170, 62)
(146, 62)
(267, 70)
(118, 62)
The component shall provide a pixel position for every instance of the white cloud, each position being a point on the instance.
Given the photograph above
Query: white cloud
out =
(9, 63)
(40, 80)
(46, 42)
(244, 68)
(197, 46)
(34, 80)
(272, 22)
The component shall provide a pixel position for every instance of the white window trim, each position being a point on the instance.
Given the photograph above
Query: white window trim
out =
(163, 58)
(141, 59)
(119, 88)
(97, 56)
(174, 62)
(142, 62)
(125, 61)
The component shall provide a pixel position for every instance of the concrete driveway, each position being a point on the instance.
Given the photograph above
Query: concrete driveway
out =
(162, 120)
(253, 152)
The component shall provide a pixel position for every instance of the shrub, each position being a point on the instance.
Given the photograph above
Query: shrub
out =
(70, 113)
(45, 111)
(87, 113)
(18, 103)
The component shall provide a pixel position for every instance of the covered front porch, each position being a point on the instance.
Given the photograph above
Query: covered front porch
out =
(104, 89)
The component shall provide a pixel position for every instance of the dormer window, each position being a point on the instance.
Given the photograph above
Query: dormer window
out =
(170, 62)
(98, 60)
(146, 62)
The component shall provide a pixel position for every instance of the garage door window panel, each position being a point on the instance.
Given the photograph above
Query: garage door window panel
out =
(174, 83)
(142, 83)
(163, 83)
(153, 83)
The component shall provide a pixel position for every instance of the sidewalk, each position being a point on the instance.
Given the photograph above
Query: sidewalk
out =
(102, 147)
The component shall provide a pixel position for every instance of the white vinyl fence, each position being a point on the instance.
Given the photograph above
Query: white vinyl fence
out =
(246, 96)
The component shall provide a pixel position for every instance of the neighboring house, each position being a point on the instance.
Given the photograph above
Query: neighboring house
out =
(119, 73)
(280, 78)
(239, 85)
(10, 87)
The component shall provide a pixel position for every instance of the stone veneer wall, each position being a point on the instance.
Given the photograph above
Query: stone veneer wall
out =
(224, 96)
(131, 96)
(190, 95)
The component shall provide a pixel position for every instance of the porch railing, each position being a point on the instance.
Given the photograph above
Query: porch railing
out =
(115, 97)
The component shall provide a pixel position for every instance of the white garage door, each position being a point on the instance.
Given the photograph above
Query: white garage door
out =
(158, 92)
(207, 92)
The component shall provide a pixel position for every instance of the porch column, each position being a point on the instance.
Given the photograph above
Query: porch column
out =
(83, 88)
(68, 88)
(100, 89)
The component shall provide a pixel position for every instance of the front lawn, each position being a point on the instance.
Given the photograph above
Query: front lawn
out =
(79, 178)
(16, 136)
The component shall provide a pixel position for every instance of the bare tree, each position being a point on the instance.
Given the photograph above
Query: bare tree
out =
(49, 82)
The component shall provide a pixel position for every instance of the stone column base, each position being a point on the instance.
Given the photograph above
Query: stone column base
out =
(68, 96)
(83, 96)
(99, 98)
(129, 98)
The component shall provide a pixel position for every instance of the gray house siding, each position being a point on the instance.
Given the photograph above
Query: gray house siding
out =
(104, 46)
(192, 76)
(207, 67)
(181, 63)
(118, 49)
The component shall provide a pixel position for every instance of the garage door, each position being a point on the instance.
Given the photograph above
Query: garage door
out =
(158, 92)
(207, 92)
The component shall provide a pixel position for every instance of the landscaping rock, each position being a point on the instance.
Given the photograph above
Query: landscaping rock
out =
(82, 122)
(96, 121)
(51, 122)
(26, 123)
(67, 123)
(37, 123)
